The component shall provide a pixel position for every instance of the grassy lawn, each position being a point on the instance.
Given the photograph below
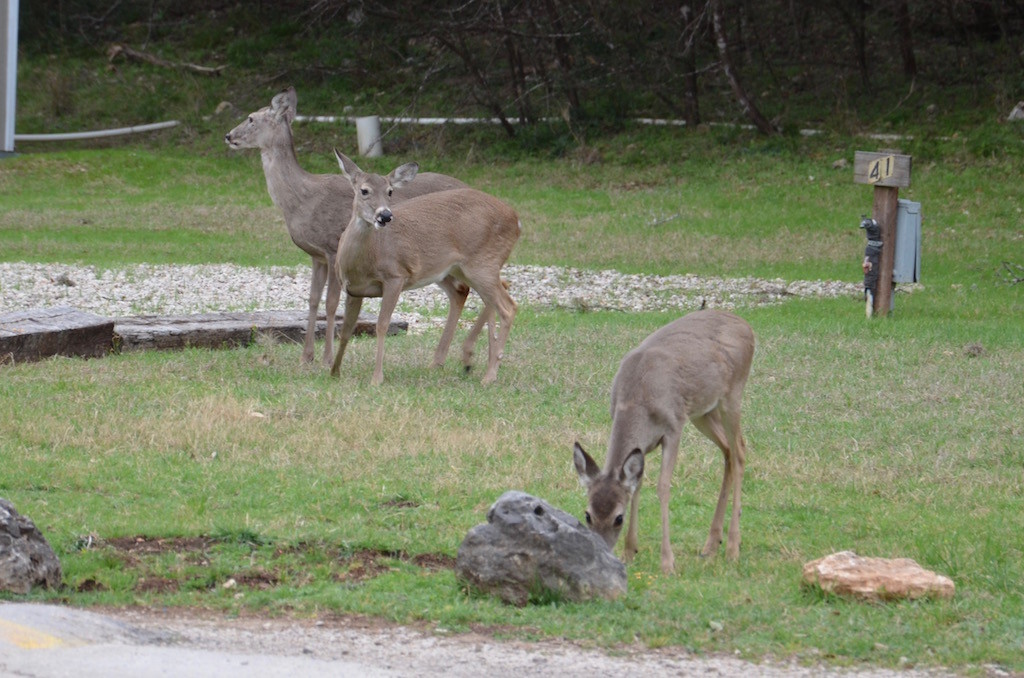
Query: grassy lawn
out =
(159, 477)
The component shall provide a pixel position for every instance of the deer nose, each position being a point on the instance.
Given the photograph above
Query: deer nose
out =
(383, 216)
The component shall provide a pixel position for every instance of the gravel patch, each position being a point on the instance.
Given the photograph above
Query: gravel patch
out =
(146, 289)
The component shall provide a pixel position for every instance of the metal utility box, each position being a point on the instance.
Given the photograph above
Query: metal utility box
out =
(906, 266)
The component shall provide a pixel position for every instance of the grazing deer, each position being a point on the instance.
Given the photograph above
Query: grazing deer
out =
(316, 209)
(692, 369)
(463, 234)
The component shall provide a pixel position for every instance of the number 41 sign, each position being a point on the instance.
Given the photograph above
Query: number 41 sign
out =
(881, 169)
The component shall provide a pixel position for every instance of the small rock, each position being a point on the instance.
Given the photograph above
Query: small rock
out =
(26, 559)
(846, 573)
(528, 549)
(840, 164)
(1017, 113)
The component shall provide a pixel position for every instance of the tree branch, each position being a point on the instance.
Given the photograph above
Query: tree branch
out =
(135, 55)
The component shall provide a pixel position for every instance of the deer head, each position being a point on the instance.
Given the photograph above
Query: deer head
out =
(261, 127)
(372, 202)
(608, 493)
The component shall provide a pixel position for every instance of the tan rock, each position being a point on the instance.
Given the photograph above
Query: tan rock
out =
(846, 573)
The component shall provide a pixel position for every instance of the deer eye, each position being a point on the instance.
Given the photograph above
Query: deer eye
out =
(364, 191)
(586, 515)
(250, 118)
(618, 520)
(390, 191)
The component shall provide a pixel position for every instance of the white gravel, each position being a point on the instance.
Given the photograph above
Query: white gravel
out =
(146, 289)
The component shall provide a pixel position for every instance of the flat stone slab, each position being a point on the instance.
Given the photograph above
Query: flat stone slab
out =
(845, 573)
(38, 333)
(218, 330)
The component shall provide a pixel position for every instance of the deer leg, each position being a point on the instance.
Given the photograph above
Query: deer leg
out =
(711, 426)
(486, 317)
(497, 297)
(737, 459)
(457, 293)
(632, 543)
(669, 455)
(333, 298)
(388, 301)
(348, 325)
(316, 289)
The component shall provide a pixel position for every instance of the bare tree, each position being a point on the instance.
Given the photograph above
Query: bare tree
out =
(746, 103)
(906, 38)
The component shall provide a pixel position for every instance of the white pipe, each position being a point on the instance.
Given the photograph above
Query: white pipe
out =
(96, 134)
(658, 122)
(368, 136)
(414, 121)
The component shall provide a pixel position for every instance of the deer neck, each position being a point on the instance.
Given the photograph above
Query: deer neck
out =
(630, 430)
(358, 245)
(288, 184)
(360, 262)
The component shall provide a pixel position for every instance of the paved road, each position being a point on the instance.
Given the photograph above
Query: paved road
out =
(47, 641)
(50, 641)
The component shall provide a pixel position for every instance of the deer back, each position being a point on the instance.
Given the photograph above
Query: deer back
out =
(681, 371)
(428, 237)
(470, 223)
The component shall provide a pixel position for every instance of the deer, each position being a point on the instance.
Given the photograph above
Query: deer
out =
(693, 369)
(316, 209)
(464, 234)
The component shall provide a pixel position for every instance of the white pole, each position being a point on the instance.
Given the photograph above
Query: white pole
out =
(9, 63)
(368, 136)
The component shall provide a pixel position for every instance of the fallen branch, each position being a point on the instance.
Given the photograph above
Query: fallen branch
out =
(1013, 273)
(129, 53)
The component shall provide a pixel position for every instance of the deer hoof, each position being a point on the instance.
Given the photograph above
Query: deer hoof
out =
(710, 549)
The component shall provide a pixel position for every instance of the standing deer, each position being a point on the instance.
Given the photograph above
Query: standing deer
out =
(692, 369)
(463, 234)
(316, 209)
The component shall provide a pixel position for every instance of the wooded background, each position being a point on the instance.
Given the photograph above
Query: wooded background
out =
(774, 64)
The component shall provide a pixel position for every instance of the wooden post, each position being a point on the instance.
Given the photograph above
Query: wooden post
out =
(887, 172)
(884, 212)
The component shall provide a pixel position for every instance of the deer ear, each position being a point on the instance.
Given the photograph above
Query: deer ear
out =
(586, 468)
(283, 105)
(348, 168)
(632, 470)
(403, 174)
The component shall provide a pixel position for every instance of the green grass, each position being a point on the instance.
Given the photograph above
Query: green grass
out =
(896, 437)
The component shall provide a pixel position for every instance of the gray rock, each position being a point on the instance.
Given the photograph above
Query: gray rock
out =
(26, 559)
(529, 550)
